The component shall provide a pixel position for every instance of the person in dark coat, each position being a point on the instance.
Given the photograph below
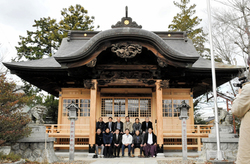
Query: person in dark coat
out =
(137, 126)
(100, 125)
(150, 143)
(110, 125)
(107, 140)
(117, 143)
(137, 142)
(119, 125)
(146, 124)
(99, 142)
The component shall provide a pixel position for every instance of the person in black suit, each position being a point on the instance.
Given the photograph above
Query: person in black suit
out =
(119, 125)
(100, 125)
(117, 143)
(150, 143)
(110, 125)
(146, 125)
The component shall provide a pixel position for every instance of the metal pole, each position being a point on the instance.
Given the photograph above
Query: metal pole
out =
(184, 139)
(72, 140)
(219, 153)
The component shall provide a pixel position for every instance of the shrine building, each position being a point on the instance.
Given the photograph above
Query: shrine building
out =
(125, 71)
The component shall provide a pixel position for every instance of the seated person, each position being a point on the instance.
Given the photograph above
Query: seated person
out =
(146, 125)
(110, 125)
(136, 126)
(128, 125)
(99, 143)
(119, 125)
(150, 146)
(107, 140)
(137, 142)
(100, 125)
(117, 142)
(126, 141)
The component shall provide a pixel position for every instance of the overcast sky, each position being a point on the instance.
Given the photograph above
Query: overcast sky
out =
(17, 16)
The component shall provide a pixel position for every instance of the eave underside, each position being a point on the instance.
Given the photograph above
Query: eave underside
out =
(197, 79)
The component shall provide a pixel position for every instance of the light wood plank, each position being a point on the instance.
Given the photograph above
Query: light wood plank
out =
(159, 113)
(93, 106)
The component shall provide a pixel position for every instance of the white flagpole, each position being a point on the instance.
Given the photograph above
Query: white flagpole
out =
(219, 153)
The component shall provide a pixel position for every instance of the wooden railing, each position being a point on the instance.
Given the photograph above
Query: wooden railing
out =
(63, 130)
(172, 135)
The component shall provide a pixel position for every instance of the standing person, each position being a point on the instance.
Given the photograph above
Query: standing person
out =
(126, 142)
(137, 142)
(146, 125)
(110, 125)
(241, 109)
(119, 125)
(100, 124)
(107, 140)
(117, 142)
(128, 125)
(137, 126)
(99, 143)
(150, 142)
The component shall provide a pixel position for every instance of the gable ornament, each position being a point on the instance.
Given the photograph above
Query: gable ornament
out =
(126, 50)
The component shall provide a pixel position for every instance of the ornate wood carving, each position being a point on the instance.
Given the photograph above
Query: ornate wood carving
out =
(126, 50)
(92, 63)
(126, 75)
(88, 84)
(164, 84)
(161, 63)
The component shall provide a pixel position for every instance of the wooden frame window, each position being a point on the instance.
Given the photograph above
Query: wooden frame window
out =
(120, 107)
(83, 104)
(169, 107)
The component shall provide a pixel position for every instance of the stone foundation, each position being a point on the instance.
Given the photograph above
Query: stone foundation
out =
(229, 149)
(228, 144)
(34, 147)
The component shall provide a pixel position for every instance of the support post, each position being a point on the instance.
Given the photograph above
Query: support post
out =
(159, 117)
(72, 140)
(92, 120)
(60, 111)
(184, 139)
(216, 121)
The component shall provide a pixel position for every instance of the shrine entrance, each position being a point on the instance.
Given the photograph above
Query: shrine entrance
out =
(122, 102)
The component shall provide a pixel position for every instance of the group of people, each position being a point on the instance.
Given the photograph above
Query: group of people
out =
(113, 136)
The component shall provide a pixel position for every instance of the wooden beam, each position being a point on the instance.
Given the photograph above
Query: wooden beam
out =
(92, 120)
(126, 67)
(159, 113)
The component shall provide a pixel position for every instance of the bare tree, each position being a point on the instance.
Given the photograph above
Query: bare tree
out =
(232, 30)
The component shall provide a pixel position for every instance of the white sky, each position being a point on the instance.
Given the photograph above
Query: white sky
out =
(17, 16)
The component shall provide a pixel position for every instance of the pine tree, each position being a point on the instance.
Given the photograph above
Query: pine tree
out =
(49, 33)
(186, 21)
(13, 122)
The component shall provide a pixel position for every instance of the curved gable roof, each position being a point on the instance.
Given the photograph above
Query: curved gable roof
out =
(177, 49)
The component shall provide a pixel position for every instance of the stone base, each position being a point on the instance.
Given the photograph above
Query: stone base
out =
(35, 151)
(229, 148)
(37, 147)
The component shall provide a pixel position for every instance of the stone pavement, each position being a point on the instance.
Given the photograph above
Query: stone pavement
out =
(81, 158)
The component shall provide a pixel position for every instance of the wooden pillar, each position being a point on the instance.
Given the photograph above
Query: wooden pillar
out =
(92, 120)
(59, 120)
(159, 114)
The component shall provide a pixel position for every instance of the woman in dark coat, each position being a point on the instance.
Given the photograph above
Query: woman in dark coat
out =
(107, 140)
